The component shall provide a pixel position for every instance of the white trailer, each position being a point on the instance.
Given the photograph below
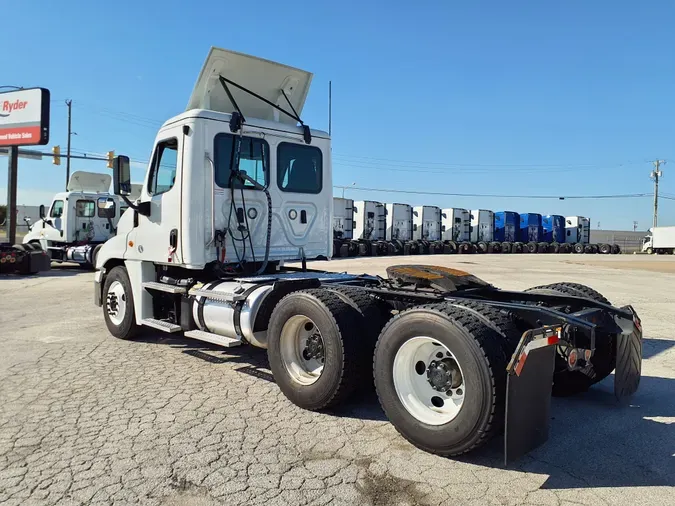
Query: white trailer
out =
(427, 223)
(369, 220)
(399, 222)
(456, 224)
(202, 255)
(577, 230)
(343, 218)
(482, 225)
(79, 220)
(661, 240)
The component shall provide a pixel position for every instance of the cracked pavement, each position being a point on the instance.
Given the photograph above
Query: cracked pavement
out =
(88, 419)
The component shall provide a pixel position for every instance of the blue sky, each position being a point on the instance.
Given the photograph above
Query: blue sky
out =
(520, 97)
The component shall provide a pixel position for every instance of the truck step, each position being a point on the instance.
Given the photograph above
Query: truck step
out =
(163, 287)
(161, 325)
(220, 296)
(227, 342)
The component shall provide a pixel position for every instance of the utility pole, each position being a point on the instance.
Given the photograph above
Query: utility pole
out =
(69, 103)
(655, 175)
(330, 107)
(635, 223)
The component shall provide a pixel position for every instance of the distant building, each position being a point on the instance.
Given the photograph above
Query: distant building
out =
(629, 241)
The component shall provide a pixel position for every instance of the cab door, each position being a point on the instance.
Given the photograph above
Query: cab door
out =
(53, 226)
(155, 237)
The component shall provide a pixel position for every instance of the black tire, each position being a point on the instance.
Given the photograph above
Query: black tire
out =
(565, 248)
(531, 247)
(127, 329)
(554, 247)
(36, 245)
(506, 247)
(588, 248)
(466, 248)
(494, 247)
(578, 248)
(481, 247)
(478, 350)
(605, 249)
(450, 248)
(594, 248)
(501, 320)
(374, 311)
(566, 382)
(542, 247)
(342, 327)
(616, 249)
(518, 247)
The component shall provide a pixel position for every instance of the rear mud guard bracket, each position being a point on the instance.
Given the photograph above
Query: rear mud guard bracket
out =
(528, 392)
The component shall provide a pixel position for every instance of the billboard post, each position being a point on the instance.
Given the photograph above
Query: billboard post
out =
(24, 121)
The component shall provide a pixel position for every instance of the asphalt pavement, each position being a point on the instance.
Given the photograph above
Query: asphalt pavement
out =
(89, 419)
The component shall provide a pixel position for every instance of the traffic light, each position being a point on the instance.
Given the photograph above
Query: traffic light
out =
(110, 155)
(56, 151)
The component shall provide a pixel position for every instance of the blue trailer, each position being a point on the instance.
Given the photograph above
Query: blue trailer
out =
(553, 226)
(507, 226)
(530, 227)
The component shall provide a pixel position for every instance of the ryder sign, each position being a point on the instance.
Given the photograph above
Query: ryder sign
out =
(24, 117)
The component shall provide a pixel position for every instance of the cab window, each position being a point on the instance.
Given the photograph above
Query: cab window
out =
(163, 171)
(57, 209)
(299, 168)
(84, 208)
(254, 158)
(104, 211)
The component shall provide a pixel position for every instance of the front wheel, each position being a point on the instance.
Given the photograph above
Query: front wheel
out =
(118, 304)
(440, 377)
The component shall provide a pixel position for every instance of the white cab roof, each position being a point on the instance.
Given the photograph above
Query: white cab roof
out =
(263, 77)
(89, 182)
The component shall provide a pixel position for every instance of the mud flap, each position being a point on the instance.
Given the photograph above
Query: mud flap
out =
(628, 359)
(528, 392)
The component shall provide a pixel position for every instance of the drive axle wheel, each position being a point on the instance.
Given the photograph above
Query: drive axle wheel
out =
(314, 348)
(118, 304)
(429, 380)
(440, 377)
(566, 382)
(302, 350)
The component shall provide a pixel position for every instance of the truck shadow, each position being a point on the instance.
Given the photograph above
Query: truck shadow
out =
(653, 347)
(593, 442)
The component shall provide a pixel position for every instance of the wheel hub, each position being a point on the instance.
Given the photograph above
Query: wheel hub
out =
(314, 348)
(112, 304)
(444, 375)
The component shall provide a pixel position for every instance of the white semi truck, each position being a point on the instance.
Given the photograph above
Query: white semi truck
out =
(79, 220)
(661, 240)
(238, 187)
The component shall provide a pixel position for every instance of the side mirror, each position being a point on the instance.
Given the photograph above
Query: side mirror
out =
(121, 175)
(43, 213)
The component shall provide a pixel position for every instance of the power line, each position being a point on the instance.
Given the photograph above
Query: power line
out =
(448, 194)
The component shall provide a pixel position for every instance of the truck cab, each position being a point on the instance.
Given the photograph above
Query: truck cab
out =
(197, 212)
(77, 220)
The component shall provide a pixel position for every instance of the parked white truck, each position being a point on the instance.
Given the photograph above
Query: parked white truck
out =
(235, 188)
(79, 220)
(661, 240)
